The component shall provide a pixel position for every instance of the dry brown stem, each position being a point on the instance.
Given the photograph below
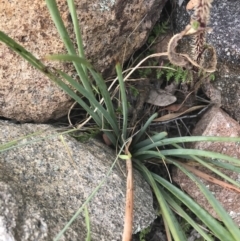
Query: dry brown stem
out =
(127, 232)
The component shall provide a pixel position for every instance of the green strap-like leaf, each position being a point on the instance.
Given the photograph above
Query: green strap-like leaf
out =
(211, 223)
(172, 222)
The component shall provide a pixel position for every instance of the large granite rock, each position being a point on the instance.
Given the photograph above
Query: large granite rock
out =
(225, 37)
(215, 122)
(112, 30)
(43, 183)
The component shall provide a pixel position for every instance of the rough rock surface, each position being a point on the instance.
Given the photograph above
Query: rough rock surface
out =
(215, 123)
(225, 37)
(112, 30)
(44, 183)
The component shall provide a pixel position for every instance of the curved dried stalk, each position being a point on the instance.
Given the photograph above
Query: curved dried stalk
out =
(127, 231)
(197, 30)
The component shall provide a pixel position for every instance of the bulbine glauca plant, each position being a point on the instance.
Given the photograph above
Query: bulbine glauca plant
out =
(139, 147)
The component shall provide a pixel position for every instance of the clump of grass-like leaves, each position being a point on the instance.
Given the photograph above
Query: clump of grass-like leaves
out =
(137, 146)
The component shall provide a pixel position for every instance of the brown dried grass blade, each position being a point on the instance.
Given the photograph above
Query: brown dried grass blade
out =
(209, 178)
(172, 116)
(127, 232)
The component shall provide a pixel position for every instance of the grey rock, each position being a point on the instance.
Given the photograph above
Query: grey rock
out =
(225, 37)
(111, 30)
(44, 182)
(225, 34)
(19, 220)
(228, 83)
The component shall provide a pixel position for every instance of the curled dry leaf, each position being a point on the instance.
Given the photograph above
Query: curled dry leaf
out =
(160, 98)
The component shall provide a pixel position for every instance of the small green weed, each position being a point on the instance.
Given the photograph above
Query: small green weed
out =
(134, 92)
(145, 73)
(158, 29)
(86, 135)
(143, 233)
(171, 72)
(167, 72)
(212, 77)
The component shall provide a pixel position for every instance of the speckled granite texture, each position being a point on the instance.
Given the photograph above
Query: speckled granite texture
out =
(225, 24)
(111, 30)
(49, 180)
(225, 37)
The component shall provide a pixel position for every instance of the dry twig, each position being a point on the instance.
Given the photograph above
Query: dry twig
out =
(127, 232)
